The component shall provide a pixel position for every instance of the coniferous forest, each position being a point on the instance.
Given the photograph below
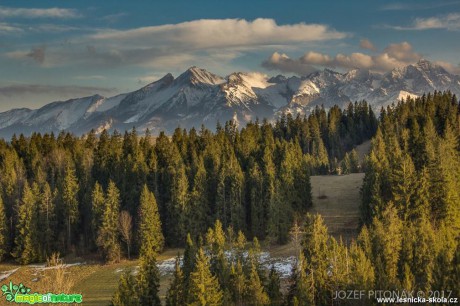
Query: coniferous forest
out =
(122, 195)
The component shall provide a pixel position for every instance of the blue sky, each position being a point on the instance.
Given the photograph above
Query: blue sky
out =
(56, 50)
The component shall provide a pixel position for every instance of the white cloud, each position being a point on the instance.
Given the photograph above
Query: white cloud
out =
(177, 45)
(450, 22)
(367, 44)
(395, 55)
(10, 12)
(219, 33)
(6, 28)
(283, 63)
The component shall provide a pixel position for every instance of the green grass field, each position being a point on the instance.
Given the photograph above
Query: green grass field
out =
(336, 198)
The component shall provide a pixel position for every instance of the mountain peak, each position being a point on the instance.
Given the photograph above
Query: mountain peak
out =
(425, 64)
(196, 75)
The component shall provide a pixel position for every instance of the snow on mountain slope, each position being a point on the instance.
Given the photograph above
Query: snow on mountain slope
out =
(199, 97)
(253, 88)
(12, 116)
(105, 104)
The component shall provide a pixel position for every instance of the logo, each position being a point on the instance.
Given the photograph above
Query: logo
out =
(22, 295)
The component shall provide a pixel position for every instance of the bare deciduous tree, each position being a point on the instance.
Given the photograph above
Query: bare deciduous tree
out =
(125, 225)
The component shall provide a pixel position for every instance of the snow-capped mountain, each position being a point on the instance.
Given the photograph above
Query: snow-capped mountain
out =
(199, 97)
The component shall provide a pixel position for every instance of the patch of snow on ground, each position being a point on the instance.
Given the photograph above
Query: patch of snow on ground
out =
(42, 267)
(283, 265)
(6, 274)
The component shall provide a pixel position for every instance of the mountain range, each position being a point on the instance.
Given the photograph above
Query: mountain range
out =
(199, 97)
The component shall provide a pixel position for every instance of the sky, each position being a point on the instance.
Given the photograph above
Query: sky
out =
(57, 50)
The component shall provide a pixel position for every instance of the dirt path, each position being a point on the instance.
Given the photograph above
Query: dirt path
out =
(336, 198)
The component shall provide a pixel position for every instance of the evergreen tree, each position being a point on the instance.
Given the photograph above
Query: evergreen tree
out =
(148, 280)
(3, 230)
(125, 295)
(46, 220)
(238, 283)
(25, 251)
(189, 259)
(387, 244)
(204, 287)
(255, 291)
(402, 186)
(150, 233)
(108, 239)
(176, 294)
(274, 288)
(362, 275)
(302, 289)
(316, 252)
(69, 197)
(97, 209)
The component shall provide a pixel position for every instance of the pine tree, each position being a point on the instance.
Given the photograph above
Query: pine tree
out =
(362, 274)
(26, 228)
(176, 294)
(126, 291)
(150, 232)
(316, 251)
(69, 197)
(3, 230)
(402, 185)
(302, 289)
(423, 254)
(204, 287)
(421, 198)
(354, 161)
(274, 288)
(238, 283)
(346, 164)
(255, 291)
(200, 208)
(148, 280)
(97, 209)
(46, 220)
(387, 242)
(108, 239)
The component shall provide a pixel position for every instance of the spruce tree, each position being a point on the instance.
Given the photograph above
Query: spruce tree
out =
(148, 279)
(3, 230)
(176, 294)
(46, 220)
(387, 242)
(108, 239)
(97, 209)
(150, 232)
(302, 289)
(125, 295)
(255, 291)
(362, 274)
(26, 237)
(69, 197)
(204, 287)
(238, 283)
(274, 288)
(316, 252)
